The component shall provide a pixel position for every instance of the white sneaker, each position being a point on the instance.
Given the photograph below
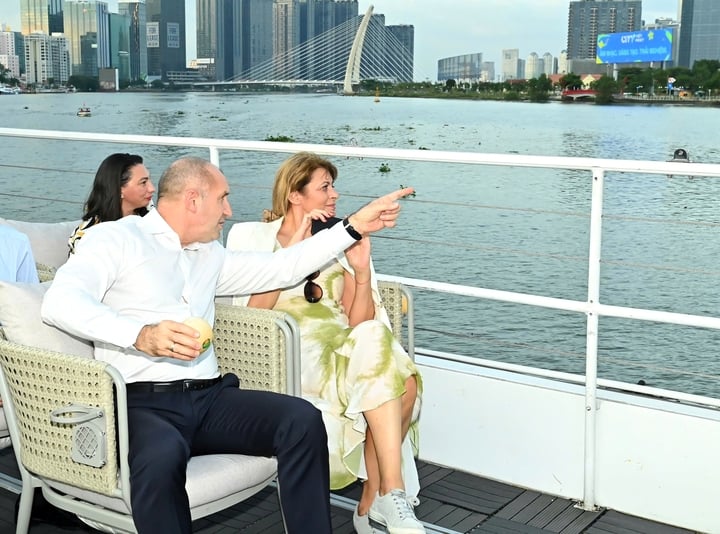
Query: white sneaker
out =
(362, 524)
(394, 512)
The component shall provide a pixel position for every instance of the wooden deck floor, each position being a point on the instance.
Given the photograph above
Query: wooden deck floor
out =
(450, 502)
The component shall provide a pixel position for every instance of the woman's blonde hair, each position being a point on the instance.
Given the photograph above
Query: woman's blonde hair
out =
(293, 175)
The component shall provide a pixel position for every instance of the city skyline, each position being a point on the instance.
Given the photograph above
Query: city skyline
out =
(461, 27)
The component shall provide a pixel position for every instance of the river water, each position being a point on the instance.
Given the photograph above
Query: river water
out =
(511, 229)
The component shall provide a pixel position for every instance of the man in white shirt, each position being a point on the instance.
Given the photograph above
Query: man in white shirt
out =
(128, 289)
(16, 258)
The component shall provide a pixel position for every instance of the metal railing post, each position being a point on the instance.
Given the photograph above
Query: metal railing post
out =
(591, 360)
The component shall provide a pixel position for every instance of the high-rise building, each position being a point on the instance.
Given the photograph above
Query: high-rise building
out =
(47, 58)
(34, 16)
(86, 27)
(405, 38)
(244, 36)
(9, 56)
(699, 31)
(534, 66)
(588, 18)
(511, 64)
(135, 9)
(119, 44)
(549, 64)
(165, 36)
(41, 16)
(286, 35)
(206, 28)
(466, 68)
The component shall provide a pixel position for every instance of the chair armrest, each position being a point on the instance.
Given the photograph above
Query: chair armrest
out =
(35, 382)
(399, 304)
(262, 347)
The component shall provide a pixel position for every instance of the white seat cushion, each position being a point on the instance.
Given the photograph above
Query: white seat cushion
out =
(209, 478)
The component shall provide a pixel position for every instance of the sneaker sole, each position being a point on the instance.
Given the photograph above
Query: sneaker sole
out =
(378, 522)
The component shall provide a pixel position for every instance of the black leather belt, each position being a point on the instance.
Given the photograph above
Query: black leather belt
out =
(176, 386)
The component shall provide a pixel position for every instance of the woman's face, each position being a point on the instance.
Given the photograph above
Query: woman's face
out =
(137, 191)
(319, 193)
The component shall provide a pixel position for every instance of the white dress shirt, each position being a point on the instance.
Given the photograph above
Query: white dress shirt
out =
(133, 272)
(17, 263)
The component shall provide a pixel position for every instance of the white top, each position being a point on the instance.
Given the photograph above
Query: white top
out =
(133, 272)
(16, 258)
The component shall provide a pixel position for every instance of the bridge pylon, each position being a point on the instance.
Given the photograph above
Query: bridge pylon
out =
(352, 71)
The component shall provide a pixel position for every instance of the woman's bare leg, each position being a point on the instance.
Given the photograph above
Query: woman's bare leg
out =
(382, 454)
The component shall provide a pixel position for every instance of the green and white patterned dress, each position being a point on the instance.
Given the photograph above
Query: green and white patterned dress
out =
(345, 371)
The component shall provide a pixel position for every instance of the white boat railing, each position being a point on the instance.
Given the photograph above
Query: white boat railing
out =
(591, 307)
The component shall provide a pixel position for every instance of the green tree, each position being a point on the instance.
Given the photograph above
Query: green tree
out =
(570, 81)
(606, 87)
(450, 84)
(539, 88)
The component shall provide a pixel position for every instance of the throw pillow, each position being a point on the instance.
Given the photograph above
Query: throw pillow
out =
(49, 241)
(21, 322)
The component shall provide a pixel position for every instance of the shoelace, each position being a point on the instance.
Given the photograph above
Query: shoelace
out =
(402, 504)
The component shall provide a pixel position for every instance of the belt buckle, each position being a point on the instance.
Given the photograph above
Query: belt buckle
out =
(188, 385)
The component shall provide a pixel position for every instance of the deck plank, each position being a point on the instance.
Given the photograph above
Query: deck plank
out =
(453, 501)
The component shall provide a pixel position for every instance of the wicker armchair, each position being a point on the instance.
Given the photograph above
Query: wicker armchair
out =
(68, 423)
(398, 302)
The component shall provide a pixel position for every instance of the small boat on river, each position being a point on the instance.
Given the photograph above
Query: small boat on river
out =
(84, 111)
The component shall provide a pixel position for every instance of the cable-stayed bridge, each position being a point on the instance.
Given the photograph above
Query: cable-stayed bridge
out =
(362, 48)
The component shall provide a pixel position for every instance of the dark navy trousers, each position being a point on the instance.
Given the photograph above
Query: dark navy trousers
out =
(166, 429)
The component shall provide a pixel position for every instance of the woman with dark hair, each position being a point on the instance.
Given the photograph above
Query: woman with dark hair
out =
(122, 187)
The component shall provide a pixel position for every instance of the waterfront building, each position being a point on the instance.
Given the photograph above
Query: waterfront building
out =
(86, 27)
(47, 58)
(286, 36)
(589, 18)
(135, 9)
(119, 45)
(562, 63)
(512, 64)
(60, 59)
(699, 31)
(549, 64)
(487, 73)
(165, 36)
(9, 57)
(244, 36)
(405, 38)
(206, 28)
(466, 68)
(534, 66)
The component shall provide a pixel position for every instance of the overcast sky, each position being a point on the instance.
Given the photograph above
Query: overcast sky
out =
(453, 27)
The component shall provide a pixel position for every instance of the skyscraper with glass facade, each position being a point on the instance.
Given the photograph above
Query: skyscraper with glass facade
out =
(86, 27)
(165, 36)
(135, 9)
(699, 31)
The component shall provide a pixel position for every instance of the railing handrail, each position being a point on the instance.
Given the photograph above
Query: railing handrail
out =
(431, 156)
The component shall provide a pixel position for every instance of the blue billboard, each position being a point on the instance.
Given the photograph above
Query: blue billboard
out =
(635, 47)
